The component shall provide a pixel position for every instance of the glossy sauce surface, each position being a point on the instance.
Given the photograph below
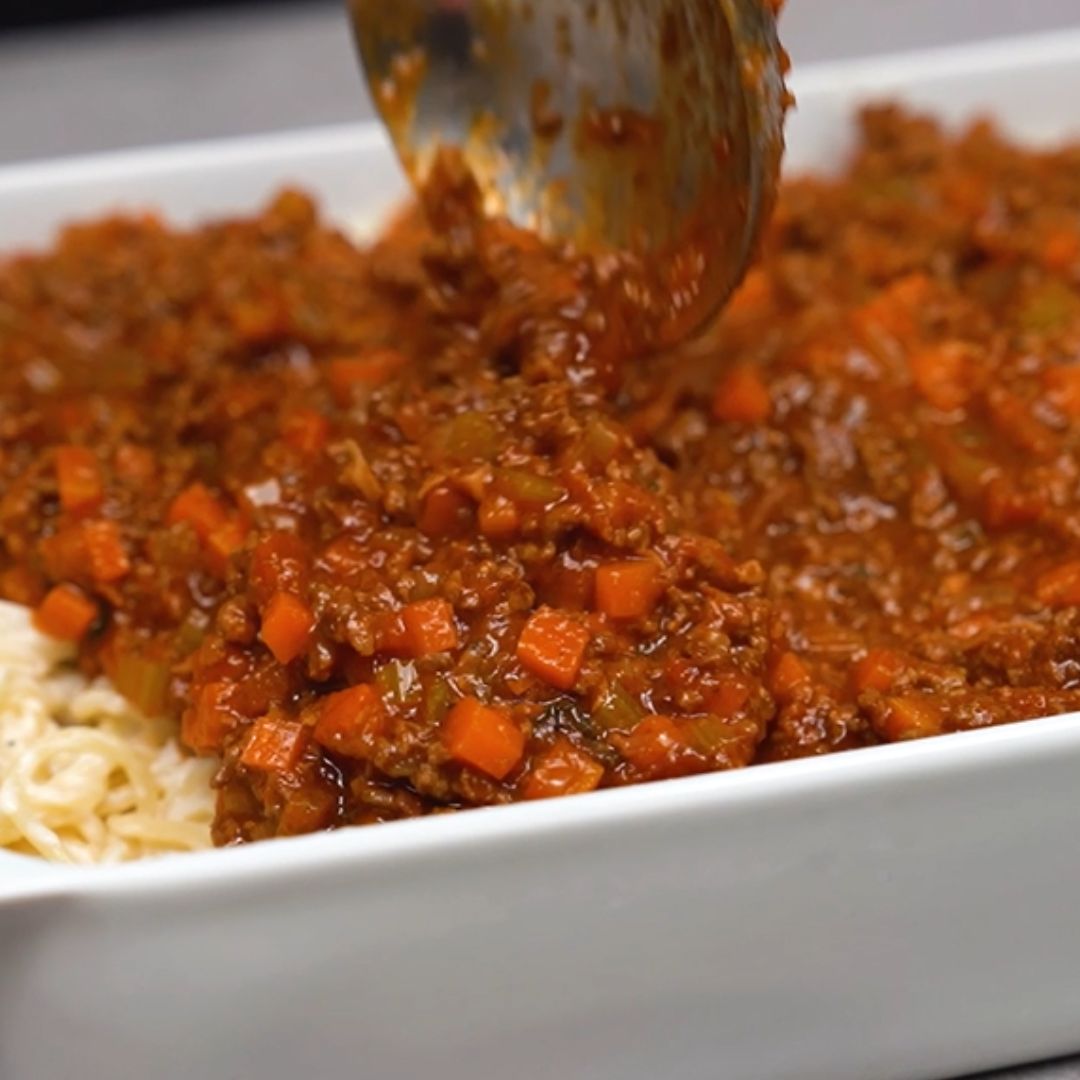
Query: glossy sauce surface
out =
(411, 529)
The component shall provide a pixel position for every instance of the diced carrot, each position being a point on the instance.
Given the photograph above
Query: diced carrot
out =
(1063, 386)
(287, 625)
(198, 507)
(256, 318)
(65, 613)
(347, 373)
(786, 675)
(73, 414)
(307, 809)
(208, 719)
(680, 672)
(753, 297)
(966, 192)
(1014, 418)
(498, 518)
(913, 716)
(1060, 586)
(347, 558)
(552, 647)
(351, 721)
(390, 634)
(430, 627)
(445, 512)
(1005, 506)
(64, 553)
(105, 552)
(133, 462)
(223, 543)
(241, 399)
(732, 694)
(275, 744)
(821, 357)
(79, 480)
(894, 311)
(279, 563)
(563, 769)
(306, 431)
(483, 738)
(628, 590)
(742, 397)
(1061, 250)
(877, 670)
(659, 747)
(943, 374)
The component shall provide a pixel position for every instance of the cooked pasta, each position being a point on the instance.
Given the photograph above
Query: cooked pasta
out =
(83, 777)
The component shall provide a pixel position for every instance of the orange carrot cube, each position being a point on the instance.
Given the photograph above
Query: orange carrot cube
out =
(105, 552)
(275, 744)
(65, 613)
(786, 675)
(564, 769)
(351, 721)
(1059, 586)
(430, 627)
(79, 480)
(198, 507)
(287, 625)
(628, 590)
(208, 719)
(552, 647)
(742, 397)
(484, 738)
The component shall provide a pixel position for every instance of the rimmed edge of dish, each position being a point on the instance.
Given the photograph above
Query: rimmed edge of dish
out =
(798, 781)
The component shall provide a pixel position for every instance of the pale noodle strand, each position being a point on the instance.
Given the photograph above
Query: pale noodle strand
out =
(83, 777)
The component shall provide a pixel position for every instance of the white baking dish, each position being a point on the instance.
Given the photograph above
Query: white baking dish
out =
(903, 912)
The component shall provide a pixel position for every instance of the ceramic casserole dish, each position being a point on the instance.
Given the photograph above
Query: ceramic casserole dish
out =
(905, 911)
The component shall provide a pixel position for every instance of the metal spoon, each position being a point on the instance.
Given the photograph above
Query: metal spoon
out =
(651, 130)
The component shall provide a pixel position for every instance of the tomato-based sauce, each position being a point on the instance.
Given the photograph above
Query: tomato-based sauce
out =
(411, 528)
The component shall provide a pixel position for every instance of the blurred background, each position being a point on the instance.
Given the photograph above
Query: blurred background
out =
(79, 75)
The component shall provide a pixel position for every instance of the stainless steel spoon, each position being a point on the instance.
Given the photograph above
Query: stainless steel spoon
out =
(647, 129)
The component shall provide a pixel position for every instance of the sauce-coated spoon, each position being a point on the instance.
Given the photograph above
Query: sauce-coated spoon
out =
(647, 129)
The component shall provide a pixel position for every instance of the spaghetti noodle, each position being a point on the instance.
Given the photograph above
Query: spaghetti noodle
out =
(84, 778)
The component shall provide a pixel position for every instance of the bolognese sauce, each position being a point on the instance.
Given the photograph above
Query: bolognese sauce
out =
(409, 528)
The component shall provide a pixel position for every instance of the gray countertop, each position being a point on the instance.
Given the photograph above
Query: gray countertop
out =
(193, 77)
(253, 70)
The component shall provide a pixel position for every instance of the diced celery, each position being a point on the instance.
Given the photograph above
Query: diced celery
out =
(397, 681)
(468, 437)
(617, 709)
(528, 488)
(144, 682)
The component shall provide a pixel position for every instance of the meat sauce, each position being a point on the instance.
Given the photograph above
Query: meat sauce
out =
(407, 529)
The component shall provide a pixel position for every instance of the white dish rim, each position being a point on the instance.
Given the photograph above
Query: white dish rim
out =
(796, 782)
